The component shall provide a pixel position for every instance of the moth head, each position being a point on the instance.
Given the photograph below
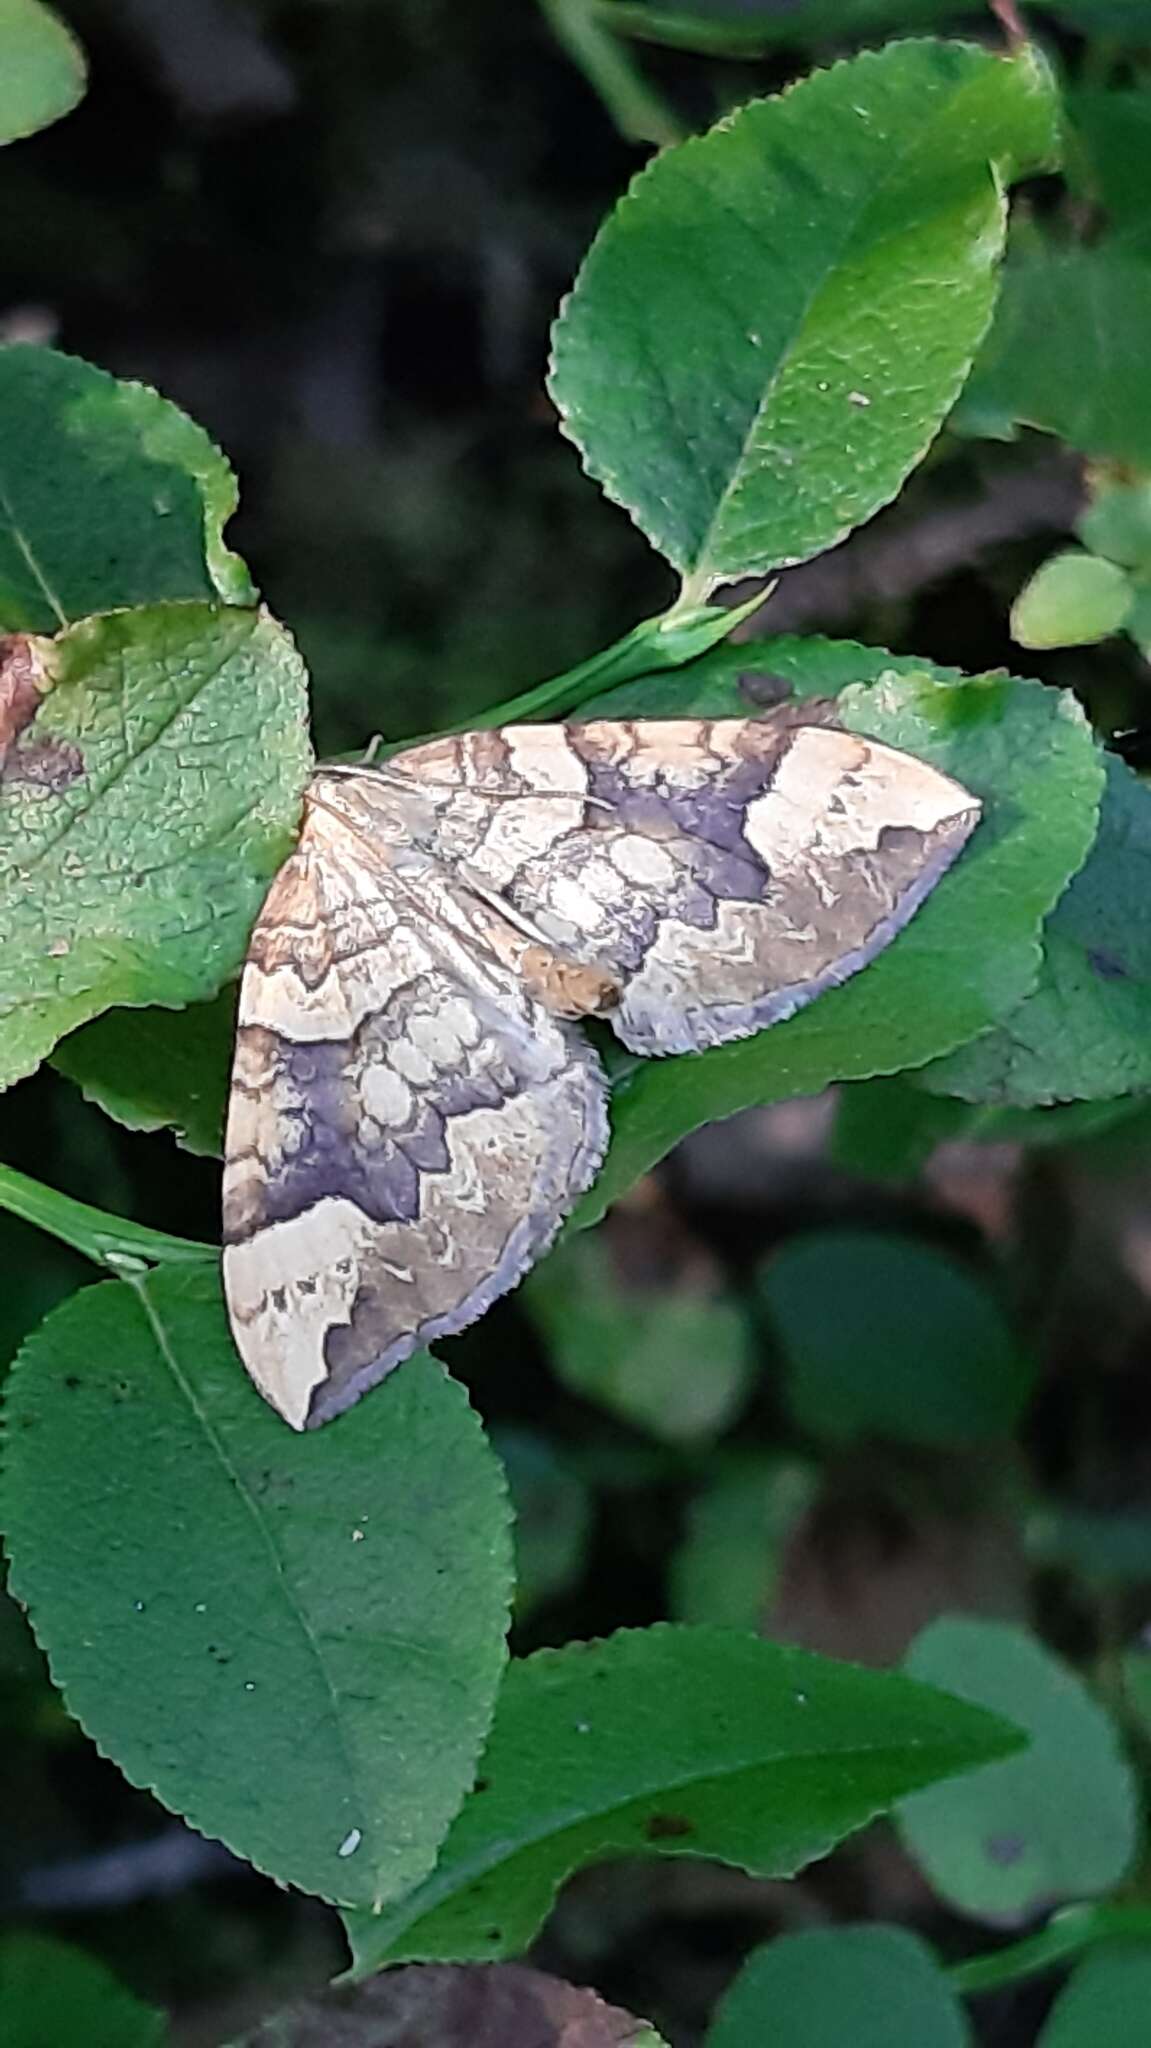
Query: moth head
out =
(566, 987)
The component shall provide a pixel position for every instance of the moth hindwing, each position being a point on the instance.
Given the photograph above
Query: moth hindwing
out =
(414, 1109)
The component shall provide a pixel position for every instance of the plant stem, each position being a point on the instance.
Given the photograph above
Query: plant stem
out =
(668, 641)
(639, 113)
(1066, 1934)
(108, 1240)
(706, 35)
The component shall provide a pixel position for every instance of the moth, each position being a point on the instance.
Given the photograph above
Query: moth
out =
(414, 1106)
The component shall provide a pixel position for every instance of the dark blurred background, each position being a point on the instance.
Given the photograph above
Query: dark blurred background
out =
(336, 231)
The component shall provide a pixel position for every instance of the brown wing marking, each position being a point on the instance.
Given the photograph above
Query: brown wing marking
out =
(725, 872)
(408, 1126)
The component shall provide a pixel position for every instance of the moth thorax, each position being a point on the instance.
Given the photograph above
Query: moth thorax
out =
(567, 987)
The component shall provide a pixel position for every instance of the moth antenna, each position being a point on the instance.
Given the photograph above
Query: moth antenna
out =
(492, 796)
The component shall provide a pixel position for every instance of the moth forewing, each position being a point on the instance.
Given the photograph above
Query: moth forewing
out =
(412, 1116)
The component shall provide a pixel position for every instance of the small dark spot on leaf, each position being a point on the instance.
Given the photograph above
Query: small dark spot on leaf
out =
(72, 1379)
(1005, 1849)
(50, 764)
(1106, 966)
(665, 1827)
(494, 1934)
(481, 1785)
(763, 689)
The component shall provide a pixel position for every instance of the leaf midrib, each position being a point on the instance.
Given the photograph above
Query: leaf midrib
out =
(130, 760)
(504, 1850)
(25, 547)
(854, 224)
(213, 1437)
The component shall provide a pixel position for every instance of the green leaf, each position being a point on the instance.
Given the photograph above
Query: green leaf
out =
(1072, 600)
(108, 496)
(888, 1130)
(293, 1640)
(42, 69)
(1084, 1032)
(752, 358)
(1109, 162)
(725, 1569)
(807, 1990)
(1067, 351)
(883, 1336)
(151, 1069)
(730, 681)
(673, 1358)
(673, 1741)
(1106, 2002)
(55, 1996)
(1117, 523)
(967, 957)
(145, 811)
(1137, 623)
(1067, 1123)
(111, 1241)
(1059, 1821)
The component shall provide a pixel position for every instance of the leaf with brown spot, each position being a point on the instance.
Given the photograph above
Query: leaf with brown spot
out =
(25, 677)
(1083, 1033)
(143, 809)
(770, 1756)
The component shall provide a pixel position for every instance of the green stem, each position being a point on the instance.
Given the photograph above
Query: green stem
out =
(639, 113)
(108, 1240)
(667, 641)
(1066, 1934)
(705, 35)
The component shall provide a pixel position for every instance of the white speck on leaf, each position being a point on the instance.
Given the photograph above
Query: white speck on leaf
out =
(351, 1842)
(858, 398)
